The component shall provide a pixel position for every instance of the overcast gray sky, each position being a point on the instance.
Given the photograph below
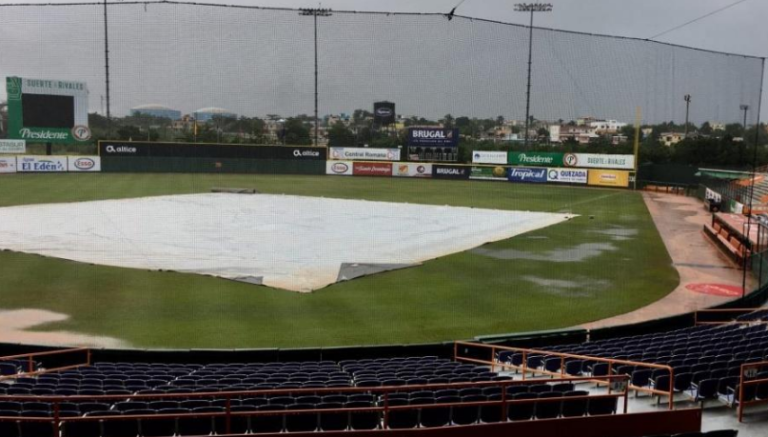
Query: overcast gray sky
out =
(739, 29)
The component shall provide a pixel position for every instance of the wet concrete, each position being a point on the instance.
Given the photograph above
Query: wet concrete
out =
(680, 221)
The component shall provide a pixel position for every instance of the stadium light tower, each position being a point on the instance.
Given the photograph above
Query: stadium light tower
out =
(530, 7)
(744, 108)
(316, 13)
(687, 98)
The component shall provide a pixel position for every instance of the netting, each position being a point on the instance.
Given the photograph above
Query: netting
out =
(255, 62)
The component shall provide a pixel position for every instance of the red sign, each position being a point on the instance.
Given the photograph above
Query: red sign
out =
(716, 289)
(371, 169)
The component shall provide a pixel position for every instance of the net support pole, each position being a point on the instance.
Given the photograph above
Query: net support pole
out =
(106, 64)
(638, 118)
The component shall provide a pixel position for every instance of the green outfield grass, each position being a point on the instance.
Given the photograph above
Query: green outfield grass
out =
(454, 297)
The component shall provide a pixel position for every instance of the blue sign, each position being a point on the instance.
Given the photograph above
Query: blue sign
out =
(433, 137)
(526, 174)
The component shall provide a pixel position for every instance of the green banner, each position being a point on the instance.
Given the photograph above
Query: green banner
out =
(543, 159)
(492, 173)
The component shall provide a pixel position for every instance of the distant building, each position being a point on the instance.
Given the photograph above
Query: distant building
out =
(582, 134)
(606, 126)
(156, 111)
(716, 125)
(207, 114)
(671, 138)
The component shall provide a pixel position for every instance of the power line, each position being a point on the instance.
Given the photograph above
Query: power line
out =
(697, 19)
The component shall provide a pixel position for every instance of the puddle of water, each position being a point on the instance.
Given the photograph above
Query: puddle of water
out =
(582, 252)
(618, 234)
(581, 287)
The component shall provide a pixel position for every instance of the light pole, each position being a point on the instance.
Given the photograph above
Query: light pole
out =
(687, 98)
(744, 108)
(316, 13)
(530, 7)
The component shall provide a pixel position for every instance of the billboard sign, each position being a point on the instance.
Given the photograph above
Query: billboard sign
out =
(543, 159)
(371, 169)
(128, 149)
(8, 165)
(433, 137)
(384, 113)
(567, 175)
(609, 178)
(364, 154)
(594, 160)
(84, 163)
(47, 110)
(340, 168)
(481, 157)
(41, 164)
(13, 146)
(450, 171)
(497, 173)
(410, 170)
(524, 174)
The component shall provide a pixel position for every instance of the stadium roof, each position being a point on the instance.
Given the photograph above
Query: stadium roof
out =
(213, 110)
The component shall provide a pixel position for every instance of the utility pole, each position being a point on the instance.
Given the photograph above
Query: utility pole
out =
(687, 98)
(744, 108)
(530, 7)
(316, 13)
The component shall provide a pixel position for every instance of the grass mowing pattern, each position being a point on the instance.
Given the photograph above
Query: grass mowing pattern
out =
(458, 296)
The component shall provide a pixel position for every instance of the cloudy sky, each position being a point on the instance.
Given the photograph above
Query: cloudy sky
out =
(576, 76)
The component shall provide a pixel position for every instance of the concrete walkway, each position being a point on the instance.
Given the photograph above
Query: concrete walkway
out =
(680, 220)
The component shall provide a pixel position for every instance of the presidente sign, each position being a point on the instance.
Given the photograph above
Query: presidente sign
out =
(433, 137)
(13, 146)
(47, 110)
(543, 159)
(364, 154)
(594, 160)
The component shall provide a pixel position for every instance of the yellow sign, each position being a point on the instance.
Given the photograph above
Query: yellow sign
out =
(609, 178)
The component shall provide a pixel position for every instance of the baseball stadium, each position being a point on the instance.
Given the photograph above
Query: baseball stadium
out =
(403, 223)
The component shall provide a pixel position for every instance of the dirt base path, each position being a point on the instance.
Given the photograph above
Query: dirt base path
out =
(680, 220)
(14, 325)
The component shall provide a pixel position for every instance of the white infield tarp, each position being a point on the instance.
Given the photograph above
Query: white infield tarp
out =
(289, 242)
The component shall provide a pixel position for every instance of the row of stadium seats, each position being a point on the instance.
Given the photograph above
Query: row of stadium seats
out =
(326, 417)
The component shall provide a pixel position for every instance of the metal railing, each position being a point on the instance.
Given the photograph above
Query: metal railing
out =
(561, 374)
(748, 372)
(30, 359)
(384, 410)
(725, 311)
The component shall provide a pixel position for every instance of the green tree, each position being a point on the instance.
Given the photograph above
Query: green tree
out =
(340, 136)
(296, 133)
(448, 121)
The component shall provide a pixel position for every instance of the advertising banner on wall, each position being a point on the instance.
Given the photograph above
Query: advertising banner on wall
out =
(84, 163)
(371, 169)
(363, 154)
(410, 170)
(609, 178)
(8, 164)
(543, 159)
(450, 172)
(567, 175)
(497, 173)
(128, 149)
(13, 146)
(523, 174)
(481, 157)
(41, 164)
(433, 137)
(594, 160)
(340, 168)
